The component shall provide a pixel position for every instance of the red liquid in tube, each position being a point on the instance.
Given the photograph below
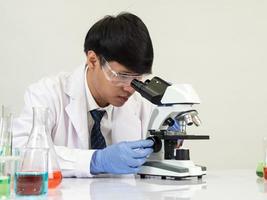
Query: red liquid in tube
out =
(54, 179)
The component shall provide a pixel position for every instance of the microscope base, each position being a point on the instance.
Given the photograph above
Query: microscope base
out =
(173, 169)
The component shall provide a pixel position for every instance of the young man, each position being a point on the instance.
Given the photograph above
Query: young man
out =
(96, 120)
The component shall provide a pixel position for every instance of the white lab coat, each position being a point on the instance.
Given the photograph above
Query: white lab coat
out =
(66, 97)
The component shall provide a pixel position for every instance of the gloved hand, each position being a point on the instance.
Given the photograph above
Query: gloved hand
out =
(176, 127)
(121, 158)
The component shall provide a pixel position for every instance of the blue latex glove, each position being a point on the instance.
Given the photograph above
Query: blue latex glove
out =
(121, 158)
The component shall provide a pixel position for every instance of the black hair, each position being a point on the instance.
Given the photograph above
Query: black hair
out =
(123, 38)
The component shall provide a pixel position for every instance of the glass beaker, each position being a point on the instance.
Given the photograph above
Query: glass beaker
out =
(40, 137)
(6, 132)
(31, 176)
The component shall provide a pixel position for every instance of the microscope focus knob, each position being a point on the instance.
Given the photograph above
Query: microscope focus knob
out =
(157, 143)
(182, 154)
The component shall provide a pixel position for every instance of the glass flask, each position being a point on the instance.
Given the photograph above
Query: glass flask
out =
(41, 138)
(31, 174)
(6, 132)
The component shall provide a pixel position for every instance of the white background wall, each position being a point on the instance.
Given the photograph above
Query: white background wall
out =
(219, 46)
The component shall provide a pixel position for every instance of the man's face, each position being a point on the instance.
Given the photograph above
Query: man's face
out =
(110, 83)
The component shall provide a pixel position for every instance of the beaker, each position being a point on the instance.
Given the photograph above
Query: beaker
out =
(31, 176)
(40, 137)
(6, 132)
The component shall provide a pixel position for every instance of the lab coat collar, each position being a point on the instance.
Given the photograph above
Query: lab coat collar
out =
(73, 86)
(91, 103)
(77, 107)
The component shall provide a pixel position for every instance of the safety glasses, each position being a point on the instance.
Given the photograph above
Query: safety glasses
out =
(117, 78)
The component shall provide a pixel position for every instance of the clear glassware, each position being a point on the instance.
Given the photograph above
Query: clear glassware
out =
(7, 172)
(4, 178)
(41, 138)
(265, 157)
(31, 173)
(6, 132)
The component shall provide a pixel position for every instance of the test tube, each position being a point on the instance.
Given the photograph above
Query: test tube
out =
(6, 131)
(7, 170)
(265, 157)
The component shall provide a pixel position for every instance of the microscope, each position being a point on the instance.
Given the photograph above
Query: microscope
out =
(173, 108)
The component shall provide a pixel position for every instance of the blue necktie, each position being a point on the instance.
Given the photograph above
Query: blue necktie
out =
(97, 139)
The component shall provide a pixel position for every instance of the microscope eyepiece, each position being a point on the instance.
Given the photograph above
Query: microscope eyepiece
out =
(137, 85)
(153, 90)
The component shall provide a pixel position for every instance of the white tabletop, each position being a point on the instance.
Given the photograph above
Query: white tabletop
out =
(219, 185)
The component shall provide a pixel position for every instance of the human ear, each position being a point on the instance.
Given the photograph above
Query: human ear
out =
(92, 59)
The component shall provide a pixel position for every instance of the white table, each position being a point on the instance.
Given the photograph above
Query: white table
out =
(217, 185)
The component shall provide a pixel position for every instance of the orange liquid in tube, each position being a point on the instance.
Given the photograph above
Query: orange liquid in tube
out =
(54, 179)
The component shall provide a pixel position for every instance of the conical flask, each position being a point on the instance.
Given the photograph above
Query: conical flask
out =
(6, 132)
(40, 138)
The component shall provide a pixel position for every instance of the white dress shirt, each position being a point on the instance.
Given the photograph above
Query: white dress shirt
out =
(105, 124)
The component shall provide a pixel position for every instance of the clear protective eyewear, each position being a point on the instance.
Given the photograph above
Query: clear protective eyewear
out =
(117, 78)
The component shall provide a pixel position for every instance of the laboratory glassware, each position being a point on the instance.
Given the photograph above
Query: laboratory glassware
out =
(7, 171)
(259, 169)
(4, 179)
(31, 176)
(40, 137)
(6, 132)
(265, 157)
